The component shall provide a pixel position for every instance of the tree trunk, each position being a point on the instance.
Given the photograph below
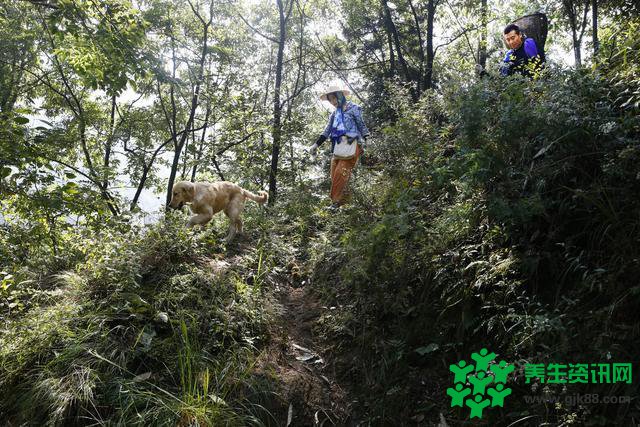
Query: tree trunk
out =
(393, 31)
(276, 131)
(428, 75)
(392, 57)
(596, 42)
(77, 109)
(185, 158)
(198, 155)
(577, 50)
(577, 23)
(420, 83)
(143, 180)
(194, 105)
(109, 144)
(482, 48)
(180, 145)
(146, 167)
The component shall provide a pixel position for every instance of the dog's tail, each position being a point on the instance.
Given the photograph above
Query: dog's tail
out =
(261, 198)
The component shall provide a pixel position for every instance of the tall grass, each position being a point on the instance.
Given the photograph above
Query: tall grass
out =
(140, 332)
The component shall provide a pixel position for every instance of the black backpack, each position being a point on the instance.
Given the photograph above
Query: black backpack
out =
(535, 26)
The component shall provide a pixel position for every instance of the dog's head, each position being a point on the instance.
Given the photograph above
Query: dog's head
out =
(182, 192)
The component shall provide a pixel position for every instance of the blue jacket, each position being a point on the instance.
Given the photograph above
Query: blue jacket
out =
(519, 60)
(353, 123)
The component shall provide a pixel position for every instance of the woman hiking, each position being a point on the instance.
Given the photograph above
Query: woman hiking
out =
(348, 133)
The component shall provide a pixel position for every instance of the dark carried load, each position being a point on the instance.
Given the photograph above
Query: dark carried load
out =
(526, 37)
(536, 27)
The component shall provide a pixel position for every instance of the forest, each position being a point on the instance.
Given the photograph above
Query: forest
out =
(475, 262)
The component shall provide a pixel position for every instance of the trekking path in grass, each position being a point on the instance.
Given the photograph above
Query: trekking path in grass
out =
(309, 388)
(292, 361)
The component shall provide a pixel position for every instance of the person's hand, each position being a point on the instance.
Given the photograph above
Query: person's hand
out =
(313, 149)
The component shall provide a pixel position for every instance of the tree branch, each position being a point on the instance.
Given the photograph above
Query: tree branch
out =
(257, 31)
(43, 3)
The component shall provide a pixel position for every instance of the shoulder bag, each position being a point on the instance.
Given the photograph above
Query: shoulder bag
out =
(345, 148)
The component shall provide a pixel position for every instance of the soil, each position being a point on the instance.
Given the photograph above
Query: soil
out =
(293, 362)
(307, 384)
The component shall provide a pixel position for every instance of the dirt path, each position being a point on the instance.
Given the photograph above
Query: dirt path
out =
(293, 361)
(308, 387)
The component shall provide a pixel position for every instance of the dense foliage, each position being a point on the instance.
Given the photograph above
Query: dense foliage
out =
(487, 212)
(513, 228)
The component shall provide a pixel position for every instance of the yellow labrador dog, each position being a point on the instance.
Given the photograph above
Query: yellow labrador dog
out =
(207, 199)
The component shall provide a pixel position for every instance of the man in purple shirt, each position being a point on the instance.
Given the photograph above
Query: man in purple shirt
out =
(523, 56)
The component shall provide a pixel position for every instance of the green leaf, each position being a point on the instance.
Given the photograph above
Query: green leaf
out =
(428, 349)
(70, 188)
(21, 120)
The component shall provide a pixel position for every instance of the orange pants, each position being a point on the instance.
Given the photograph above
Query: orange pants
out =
(340, 174)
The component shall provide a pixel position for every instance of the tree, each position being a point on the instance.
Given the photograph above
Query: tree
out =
(482, 45)
(17, 54)
(196, 74)
(576, 13)
(83, 47)
(594, 25)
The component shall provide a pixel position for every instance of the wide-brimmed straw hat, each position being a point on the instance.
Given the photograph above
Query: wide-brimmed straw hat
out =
(333, 89)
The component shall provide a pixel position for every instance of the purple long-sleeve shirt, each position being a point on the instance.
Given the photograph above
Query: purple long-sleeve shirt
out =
(516, 60)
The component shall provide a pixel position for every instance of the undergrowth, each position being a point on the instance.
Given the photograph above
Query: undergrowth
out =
(513, 228)
(149, 327)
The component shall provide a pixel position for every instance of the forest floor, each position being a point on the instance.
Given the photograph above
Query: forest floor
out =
(308, 382)
(296, 358)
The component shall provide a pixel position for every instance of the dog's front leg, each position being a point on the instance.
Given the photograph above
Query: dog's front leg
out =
(199, 219)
